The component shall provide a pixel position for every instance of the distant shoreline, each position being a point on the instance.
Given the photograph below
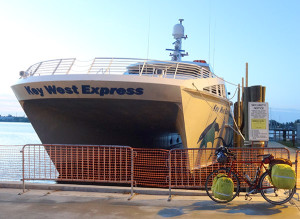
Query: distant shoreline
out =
(16, 121)
(11, 118)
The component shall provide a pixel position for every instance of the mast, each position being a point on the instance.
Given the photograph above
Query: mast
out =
(178, 34)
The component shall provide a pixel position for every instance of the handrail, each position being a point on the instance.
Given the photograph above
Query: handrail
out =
(128, 66)
(67, 163)
(138, 67)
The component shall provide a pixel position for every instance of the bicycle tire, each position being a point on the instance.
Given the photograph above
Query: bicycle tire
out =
(274, 195)
(209, 181)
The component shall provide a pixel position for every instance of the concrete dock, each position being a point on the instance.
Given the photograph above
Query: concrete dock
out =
(113, 202)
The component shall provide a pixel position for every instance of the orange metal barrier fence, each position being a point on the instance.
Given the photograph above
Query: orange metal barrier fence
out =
(177, 168)
(10, 162)
(78, 163)
(189, 168)
(297, 168)
(111, 164)
(151, 167)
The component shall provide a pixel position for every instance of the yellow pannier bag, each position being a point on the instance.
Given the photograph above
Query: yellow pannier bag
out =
(283, 176)
(216, 179)
(222, 187)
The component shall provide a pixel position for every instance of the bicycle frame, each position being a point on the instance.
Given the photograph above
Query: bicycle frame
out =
(254, 184)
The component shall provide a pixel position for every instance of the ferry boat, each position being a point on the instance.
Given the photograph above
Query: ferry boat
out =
(121, 101)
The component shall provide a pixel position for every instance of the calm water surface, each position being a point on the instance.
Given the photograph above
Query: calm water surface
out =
(17, 133)
(13, 135)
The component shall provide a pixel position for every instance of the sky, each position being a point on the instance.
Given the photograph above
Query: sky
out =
(227, 34)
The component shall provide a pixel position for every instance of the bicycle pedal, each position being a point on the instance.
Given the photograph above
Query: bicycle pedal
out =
(248, 197)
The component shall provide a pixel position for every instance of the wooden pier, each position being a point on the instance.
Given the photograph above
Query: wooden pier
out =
(283, 135)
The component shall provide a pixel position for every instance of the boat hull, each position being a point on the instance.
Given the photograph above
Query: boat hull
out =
(135, 123)
(123, 110)
(140, 112)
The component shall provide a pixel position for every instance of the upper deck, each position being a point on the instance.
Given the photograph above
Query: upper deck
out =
(126, 66)
(140, 67)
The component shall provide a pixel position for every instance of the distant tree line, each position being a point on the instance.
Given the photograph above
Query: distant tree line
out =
(11, 118)
(273, 124)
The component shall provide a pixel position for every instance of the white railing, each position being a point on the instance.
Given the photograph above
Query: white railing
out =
(153, 68)
(50, 67)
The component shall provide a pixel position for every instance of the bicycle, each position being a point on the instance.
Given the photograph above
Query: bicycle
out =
(261, 182)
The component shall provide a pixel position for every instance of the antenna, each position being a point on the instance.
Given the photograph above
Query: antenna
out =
(148, 35)
(178, 34)
(214, 50)
(209, 38)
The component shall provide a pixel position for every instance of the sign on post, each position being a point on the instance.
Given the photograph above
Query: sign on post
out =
(258, 114)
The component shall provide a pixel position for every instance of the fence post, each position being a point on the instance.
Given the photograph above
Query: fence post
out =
(296, 167)
(132, 171)
(296, 161)
(170, 173)
(293, 138)
(131, 174)
(284, 135)
(23, 167)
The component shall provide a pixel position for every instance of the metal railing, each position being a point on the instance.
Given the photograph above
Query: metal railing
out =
(145, 67)
(177, 168)
(78, 163)
(151, 167)
(127, 66)
(10, 162)
(50, 67)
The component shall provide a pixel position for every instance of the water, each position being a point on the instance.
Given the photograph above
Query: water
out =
(17, 133)
(13, 136)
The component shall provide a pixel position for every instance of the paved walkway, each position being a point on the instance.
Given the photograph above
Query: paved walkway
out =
(66, 204)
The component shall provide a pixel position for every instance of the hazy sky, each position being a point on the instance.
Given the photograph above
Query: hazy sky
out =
(264, 33)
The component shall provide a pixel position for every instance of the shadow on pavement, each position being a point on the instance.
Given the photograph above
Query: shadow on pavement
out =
(253, 209)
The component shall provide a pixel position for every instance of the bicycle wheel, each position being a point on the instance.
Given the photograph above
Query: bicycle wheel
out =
(274, 195)
(209, 181)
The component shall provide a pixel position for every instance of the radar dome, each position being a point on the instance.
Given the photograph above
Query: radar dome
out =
(178, 31)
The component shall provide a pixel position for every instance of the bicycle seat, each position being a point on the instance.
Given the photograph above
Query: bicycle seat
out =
(266, 158)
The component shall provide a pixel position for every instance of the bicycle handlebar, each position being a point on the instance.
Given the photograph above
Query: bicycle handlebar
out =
(226, 151)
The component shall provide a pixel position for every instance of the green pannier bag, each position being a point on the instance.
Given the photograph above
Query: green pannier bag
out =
(283, 176)
(222, 187)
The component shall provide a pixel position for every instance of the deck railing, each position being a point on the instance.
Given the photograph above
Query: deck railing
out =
(145, 67)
